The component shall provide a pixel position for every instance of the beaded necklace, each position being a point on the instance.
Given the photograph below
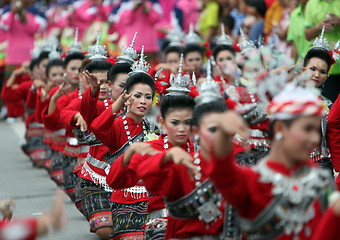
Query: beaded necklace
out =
(127, 130)
(106, 103)
(166, 144)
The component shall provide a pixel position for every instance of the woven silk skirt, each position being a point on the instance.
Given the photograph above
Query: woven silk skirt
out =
(57, 168)
(128, 220)
(69, 177)
(96, 205)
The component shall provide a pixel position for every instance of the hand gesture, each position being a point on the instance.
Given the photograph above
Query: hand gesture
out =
(81, 123)
(57, 216)
(63, 90)
(38, 83)
(5, 208)
(93, 80)
(144, 149)
(181, 157)
(232, 123)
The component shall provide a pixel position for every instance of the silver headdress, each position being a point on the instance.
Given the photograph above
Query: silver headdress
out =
(179, 84)
(35, 53)
(224, 39)
(321, 42)
(97, 52)
(128, 54)
(140, 65)
(54, 54)
(209, 91)
(75, 46)
(245, 44)
(175, 37)
(192, 37)
(49, 44)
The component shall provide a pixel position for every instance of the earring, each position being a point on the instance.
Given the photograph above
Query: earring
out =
(110, 89)
(278, 136)
(196, 146)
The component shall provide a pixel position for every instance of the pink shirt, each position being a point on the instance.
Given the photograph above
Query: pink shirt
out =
(189, 8)
(20, 36)
(86, 13)
(137, 21)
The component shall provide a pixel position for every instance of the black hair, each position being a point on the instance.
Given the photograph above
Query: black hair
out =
(34, 62)
(139, 77)
(174, 49)
(54, 63)
(192, 48)
(220, 48)
(119, 67)
(165, 45)
(84, 63)
(43, 55)
(259, 5)
(98, 66)
(73, 56)
(170, 103)
(318, 53)
(211, 107)
(287, 122)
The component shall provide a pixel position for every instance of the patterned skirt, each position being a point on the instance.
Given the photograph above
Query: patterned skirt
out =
(37, 151)
(250, 158)
(96, 205)
(57, 168)
(128, 220)
(69, 177)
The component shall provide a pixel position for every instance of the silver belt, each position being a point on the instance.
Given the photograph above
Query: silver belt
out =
(96, 163)
(36, 125)
(257, 133)
(161, 213)
(60, 132)
(84, 149)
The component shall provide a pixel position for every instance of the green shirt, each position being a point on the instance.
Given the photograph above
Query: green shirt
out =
(296, 32)
(209, 17)
(316, 11)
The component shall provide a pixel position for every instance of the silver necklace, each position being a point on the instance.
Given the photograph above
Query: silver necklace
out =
(127, 130)
(166, 144)
(106, 103)
(198, 175)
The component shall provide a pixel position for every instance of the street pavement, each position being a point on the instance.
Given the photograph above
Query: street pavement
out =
(31, 188)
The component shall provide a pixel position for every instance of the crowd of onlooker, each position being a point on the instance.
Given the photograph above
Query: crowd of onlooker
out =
(289, 25)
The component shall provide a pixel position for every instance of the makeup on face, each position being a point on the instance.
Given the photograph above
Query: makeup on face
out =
(141, 98)
(318, 70)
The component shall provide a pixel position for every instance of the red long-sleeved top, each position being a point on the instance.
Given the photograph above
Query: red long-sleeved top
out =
(27, 229)
(110, 130)
(333, 134)
(120, 177)
(174, 182)
(90, 108)
(255, 195)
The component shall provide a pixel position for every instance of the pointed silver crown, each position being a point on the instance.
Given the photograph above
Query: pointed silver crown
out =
(224, 39)
(321, 42)
(175, 37)
(128, 54)
(49, 43)
(97, 52)
(192, 37)
(54, 54)
(209, 91)
(35, 52)
(245, 44)
(179, 84)
(75, 46)
(140, 65)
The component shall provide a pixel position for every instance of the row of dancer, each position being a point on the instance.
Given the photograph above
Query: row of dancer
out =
(133, 179)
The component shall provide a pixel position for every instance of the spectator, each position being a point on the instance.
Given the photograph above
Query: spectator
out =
(296, 32)
(257, 9)
(209, 20)
(273, 16)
